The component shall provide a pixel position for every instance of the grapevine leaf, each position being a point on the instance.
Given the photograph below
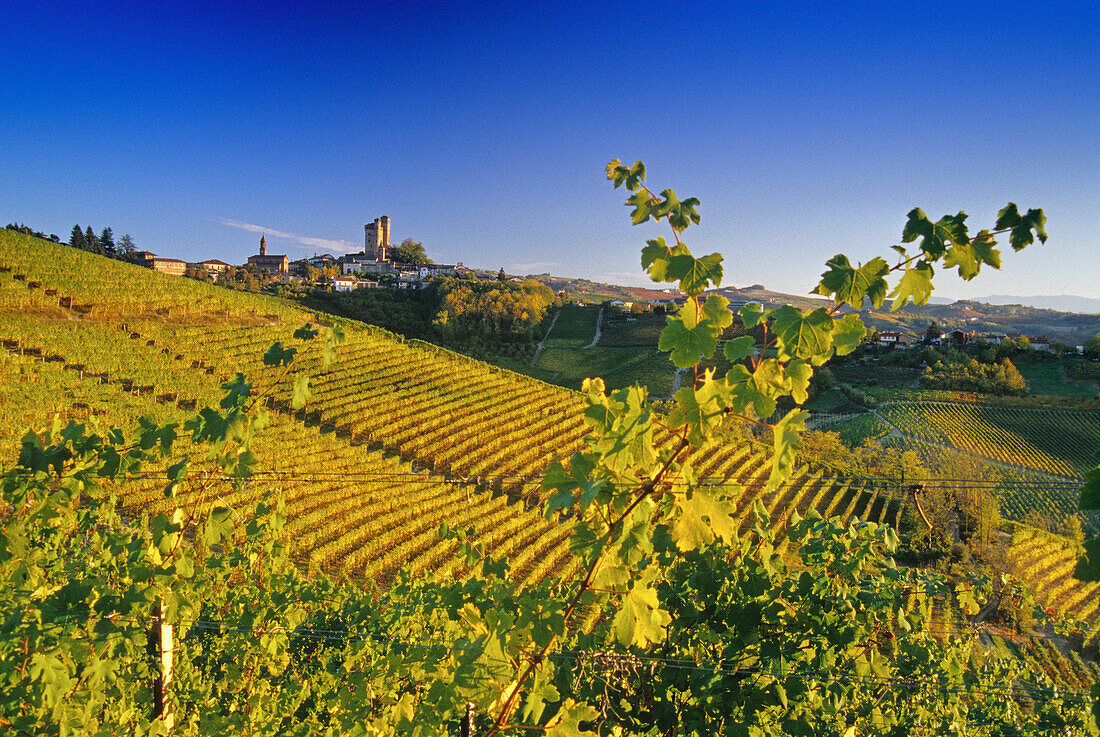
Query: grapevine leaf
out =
(620, 174)
(915, 283)
(1009, 218)
(680, 214)
(716, 311)
(701, 519)
(567, 722)
(1088, 565)
(302, 394)
(219, 525)
(237, 392)
(702, 409)
(306, 332)
(970, 257)
(640, 619)
(277, 355)
(566, 482)
(935, 236)
(798, 374)
(803, 335)
(848, 332)
(851, 285)
(695, 273)
(786, 442)
(752, 314)
(688, 337)
(655, 258)
(738, 348)
(643, 206)
(1090, 491)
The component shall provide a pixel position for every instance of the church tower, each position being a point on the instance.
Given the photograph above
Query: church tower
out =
(263, 245)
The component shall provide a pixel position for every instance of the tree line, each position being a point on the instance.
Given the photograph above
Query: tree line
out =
(103, 244)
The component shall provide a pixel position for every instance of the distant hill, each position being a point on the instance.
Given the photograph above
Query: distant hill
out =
(1059, 302)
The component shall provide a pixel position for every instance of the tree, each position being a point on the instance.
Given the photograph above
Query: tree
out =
(410, 252)
(126, 245)
(107, 242)
(501, 276)
(932, 334)
(91, 242)
(1092, 347)
(76, 239)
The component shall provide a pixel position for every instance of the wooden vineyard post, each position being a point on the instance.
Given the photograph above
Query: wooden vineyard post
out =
(160, 637)
(468, 721)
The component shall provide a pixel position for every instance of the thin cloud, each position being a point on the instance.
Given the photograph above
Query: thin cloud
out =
(303, 242)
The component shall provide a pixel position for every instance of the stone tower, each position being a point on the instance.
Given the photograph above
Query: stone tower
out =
(377, 238)
(263, 245)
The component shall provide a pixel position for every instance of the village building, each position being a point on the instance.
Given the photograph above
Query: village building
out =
(895, 339)
(268, 263)
(211, 266)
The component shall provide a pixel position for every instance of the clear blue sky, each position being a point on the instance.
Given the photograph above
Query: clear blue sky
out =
(482, 129)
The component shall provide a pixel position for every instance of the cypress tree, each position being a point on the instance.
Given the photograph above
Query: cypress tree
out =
(91, 242)
(107, 241)
(76, 240)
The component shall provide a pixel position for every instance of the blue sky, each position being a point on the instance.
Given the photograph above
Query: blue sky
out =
(482, 129)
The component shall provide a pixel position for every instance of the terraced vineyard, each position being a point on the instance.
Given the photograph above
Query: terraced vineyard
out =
(400, 435)
(1045, 562)
(1053, 441)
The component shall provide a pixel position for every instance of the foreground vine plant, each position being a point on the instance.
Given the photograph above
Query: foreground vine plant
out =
(676, 621)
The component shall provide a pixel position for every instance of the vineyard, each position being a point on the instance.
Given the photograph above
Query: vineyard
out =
(1059, 442)
(399, 436)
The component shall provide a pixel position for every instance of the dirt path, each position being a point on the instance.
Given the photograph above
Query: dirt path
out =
(599, 323)
(542, 343)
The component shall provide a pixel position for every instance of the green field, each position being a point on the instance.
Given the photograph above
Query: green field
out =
(1051, 379)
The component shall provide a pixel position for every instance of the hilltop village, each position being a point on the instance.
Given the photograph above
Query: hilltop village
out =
(378, 265)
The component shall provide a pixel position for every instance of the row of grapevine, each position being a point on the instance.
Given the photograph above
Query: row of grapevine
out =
(1053, 441)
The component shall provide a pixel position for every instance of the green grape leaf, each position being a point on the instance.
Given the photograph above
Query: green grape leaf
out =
(688, 337)
(1009, 218)
(786, 442)
(620, 174)
(277, 355)
(752, 314)
(915, 283)
(302, 394)
(701, 519)
(567, 722)
(695, 274)
(935, 236)
(738, 348)
(306, 332)
(1090, 491)
(798, 374)
(656, 256)
(219, 525)
(848, 333)
(642, 204)
(1088, 565)
(640, 619)
(680, 214)
(803, 335)
(851, 285)
(716, 311)
(970, 257)
(702, 409)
